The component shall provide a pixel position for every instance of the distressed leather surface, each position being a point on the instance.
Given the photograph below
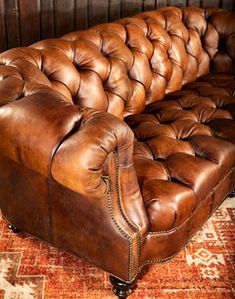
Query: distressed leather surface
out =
(88, 171)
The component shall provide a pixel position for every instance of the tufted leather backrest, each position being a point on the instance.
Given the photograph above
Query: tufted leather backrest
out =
(121, 67)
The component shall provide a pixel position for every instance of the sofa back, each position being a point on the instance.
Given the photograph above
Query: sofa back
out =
(120, 67)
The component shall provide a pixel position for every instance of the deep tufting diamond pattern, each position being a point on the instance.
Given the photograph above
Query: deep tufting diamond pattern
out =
(178, 130)
(182, 130)
(130, 63)
(126, 68)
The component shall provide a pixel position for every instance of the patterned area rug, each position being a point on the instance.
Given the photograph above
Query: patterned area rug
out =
(205, 269)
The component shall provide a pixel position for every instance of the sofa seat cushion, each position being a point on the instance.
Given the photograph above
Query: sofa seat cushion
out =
(181, 152)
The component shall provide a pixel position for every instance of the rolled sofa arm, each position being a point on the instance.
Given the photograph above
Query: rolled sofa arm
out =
(83, 154)
(45, 133)
(70, 144)
(86, 151)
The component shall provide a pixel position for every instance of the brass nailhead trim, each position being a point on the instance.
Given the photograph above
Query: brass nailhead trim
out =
(130, 246)
(135, 229)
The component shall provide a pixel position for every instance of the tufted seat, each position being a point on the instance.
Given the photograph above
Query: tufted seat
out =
(118, 142)
(181, 130)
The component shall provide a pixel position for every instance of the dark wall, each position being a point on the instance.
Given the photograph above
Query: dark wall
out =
(23, 22)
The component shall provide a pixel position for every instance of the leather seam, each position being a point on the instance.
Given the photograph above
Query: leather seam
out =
(130, 224)
(193, 57)
(125, 235)
(135, 229)
(50, 177)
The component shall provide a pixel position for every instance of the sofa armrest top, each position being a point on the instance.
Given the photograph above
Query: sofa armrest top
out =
(78, 163)
(44, 132)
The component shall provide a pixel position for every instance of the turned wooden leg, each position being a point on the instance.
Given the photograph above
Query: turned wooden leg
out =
(13, 228)
(232, 194)
(121, 288)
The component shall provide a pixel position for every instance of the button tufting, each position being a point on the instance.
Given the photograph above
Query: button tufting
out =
(178, 141)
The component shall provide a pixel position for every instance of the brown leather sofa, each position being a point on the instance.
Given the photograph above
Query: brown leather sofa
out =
(118, 142)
